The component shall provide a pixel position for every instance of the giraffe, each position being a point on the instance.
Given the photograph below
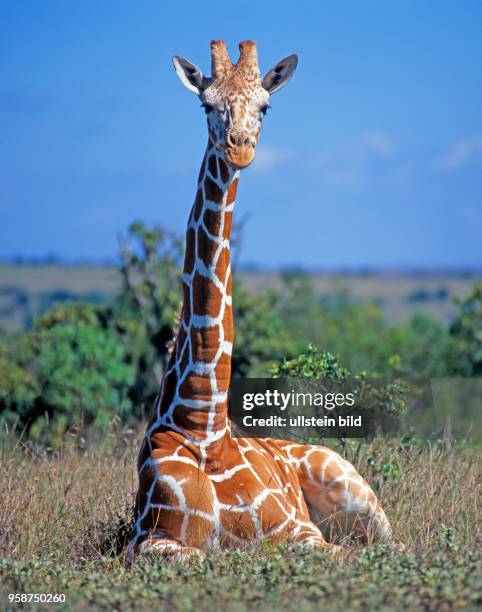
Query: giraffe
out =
(199, 486)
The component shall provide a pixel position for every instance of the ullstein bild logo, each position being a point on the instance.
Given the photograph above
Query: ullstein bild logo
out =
(303, 421)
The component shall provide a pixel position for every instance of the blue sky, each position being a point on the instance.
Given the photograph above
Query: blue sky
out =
(371, 156)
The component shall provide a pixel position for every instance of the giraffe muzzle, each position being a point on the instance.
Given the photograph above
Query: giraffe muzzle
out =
(239, 157)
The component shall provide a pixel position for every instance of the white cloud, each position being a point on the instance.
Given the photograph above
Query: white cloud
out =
(355, 161)
(269, 157)
(459, 154)
(379, 143)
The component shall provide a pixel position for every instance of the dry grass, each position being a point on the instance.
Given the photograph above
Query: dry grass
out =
(60, 515)
(66, 505)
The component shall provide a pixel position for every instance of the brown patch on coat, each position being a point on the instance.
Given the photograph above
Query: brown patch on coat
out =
(190, 256)
(223, 169)
(229, 285)
(212, 221)
(143, 455)
(205, 342)
(202, 169)
(164, 521)
(232, 189)
(219, 421)
(240, 524)
(213, 166)
(184, 360)
(205, 247)
(228, 221)
(206, 296)
(196, 387)
(212, 191)
(186, 305)
(195, 421)
(180, 340)
(222, 264)
(169, 386)
(198, 204)
(228, 325)
(223, 372)
(199, 530)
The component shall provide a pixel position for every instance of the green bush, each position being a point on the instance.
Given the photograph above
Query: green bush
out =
(421, 348)
(82, 372)
(19, 388)
(312, 364)
(70, 369)
(145, 311)
(466, 332)
(260, 336)
(147, 307)
(377, 397)
(335, 322)
(359, 333)
(86, 363)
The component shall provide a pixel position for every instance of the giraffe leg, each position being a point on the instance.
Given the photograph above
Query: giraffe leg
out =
(310, 535)
(169, 549)
(175, 513)
(339, 500)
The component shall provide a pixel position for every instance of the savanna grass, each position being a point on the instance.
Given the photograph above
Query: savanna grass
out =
(65, 516)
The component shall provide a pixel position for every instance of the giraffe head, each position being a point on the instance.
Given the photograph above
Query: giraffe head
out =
(235, 97)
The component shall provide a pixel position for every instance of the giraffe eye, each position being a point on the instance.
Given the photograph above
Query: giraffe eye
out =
(207, 108)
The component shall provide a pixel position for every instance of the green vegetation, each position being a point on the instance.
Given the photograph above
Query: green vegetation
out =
(64, 517)
(281, 579)
(467, 333)
(81, 364)
(361, 336)
(74, 389)
(70, 370)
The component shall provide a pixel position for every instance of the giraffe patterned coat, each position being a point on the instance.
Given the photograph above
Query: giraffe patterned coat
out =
(198, 485)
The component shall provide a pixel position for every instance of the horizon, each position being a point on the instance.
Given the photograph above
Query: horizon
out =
(246, 267)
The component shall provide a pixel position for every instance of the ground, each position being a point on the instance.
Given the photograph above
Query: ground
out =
(59, 533)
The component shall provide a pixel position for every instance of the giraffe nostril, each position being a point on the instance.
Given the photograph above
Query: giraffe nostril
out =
(238, 139)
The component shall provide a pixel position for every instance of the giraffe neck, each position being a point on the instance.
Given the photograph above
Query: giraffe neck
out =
(193, 396)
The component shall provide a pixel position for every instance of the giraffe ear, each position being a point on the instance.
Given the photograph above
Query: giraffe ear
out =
(280, 74)
(190, 75)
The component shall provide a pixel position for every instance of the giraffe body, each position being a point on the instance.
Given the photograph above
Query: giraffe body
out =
(198, 485)
(250, 490)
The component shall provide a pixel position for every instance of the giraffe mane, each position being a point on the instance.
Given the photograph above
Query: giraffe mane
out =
(175, 329)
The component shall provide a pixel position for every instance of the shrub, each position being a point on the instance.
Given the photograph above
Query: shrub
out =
(149, 300)
(359, 333)
(19, 388)
(421, 348)
(312, 364)
(377, 398)
(261, 337)
(466, 331)
(70, 369)
(145, 313)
